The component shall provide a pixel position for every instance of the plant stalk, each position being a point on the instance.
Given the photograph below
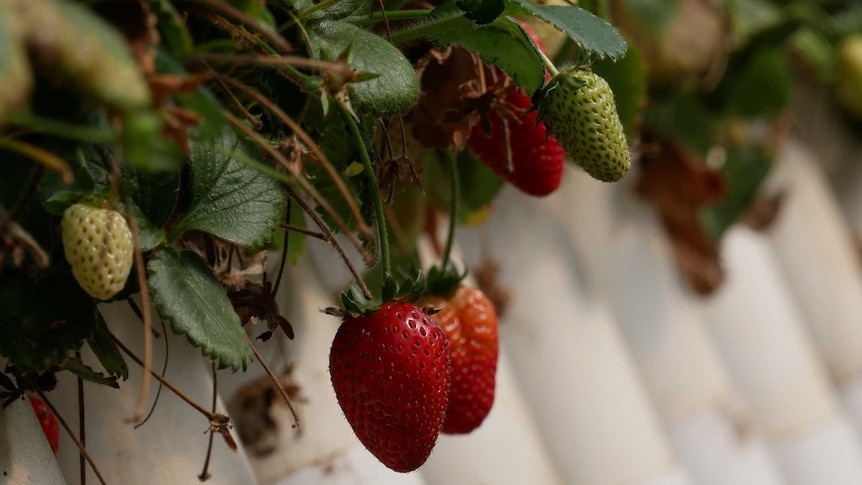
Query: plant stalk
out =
(453, 208)
(375, 190)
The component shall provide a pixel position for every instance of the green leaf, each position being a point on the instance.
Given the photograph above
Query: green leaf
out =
(89, 178)
(481, 11)
(501, 42)
(155, 194)
(357, 12)
(628, 80)
(16, 81)
(144, 146)
(745, 170)
(394, 92)
(77, 367)
(187, 294)
(172, 27)
(229, 199)
(479, 185)
(297, 241)
(150, 236)
(42, 322)
(106, 350)
(683, 118)
(594, 35)
(761, 88)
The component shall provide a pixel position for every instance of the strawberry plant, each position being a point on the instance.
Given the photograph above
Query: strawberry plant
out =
(156, 153)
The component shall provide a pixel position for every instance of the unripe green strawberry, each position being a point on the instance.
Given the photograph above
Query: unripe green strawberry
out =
(578, 107)
(98, 245)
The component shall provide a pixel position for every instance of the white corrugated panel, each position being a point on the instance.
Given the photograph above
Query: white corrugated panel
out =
(170, 447)
(25, 457)
(624, 251)
(570, 359)
(774, 364)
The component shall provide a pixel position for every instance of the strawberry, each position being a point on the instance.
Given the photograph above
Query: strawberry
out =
(469, 320)
(390, 372)
(537, 158)
(48, 422)
(578, 107)
(98, 246)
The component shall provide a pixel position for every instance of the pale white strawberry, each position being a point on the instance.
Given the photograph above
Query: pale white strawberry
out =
(98, 245)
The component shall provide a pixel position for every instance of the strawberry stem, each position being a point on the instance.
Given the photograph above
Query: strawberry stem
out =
(375, 191)
(453, 207)
(549, 65)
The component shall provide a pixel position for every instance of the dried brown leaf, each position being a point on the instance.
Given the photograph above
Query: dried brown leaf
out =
(679, 185)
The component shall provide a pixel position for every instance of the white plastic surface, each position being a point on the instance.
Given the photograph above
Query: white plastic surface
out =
(569, 357)
(762, 336)
(816, 250)
(624, 250)
(25, 457)
(170, 447)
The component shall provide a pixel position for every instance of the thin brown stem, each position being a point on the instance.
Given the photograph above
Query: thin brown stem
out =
(40, 156)
(329, 237)
(387, 143)
(146, 318)
(302, 181)
(239, 106)
(507, 147)
(209, 415)
(303, 135)
(385, 19)
(307, 232)
(161, 386)
(237, 14)
(232, 29)
(281, 390)
(137, 311)
(205, 474)
(81, 448)
(266, 60)
(82, 427)
(285, 246)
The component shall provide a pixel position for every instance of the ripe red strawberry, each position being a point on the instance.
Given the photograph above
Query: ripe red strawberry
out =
(537, 158)
(390, 372)
(48, 422)
(469, 320)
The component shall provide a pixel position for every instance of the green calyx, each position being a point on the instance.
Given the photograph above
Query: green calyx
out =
(444, 280)
(355, 303)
